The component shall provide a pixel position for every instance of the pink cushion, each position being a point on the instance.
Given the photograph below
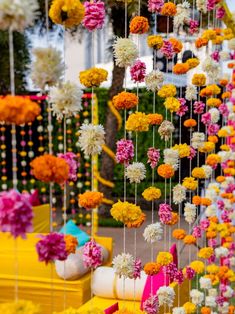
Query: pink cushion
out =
(153, 283)
(113, 308)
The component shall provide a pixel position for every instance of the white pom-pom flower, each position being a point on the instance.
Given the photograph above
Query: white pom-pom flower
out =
(171, 157)
(91, 139)
(153, 232)
(125, 52)
(135, 172)
(215, 115)
(189, 212)
(66, 99)
(210, 301)
(205, 283)
(191, 92)
(154, 80)
(123, 265)
(229, 292)
(201, 6)
(166, 295)
(179, 194)
(211, 211)
(196, 296)
(221, 252)
(198, 139)
(208, 170)
(178, 310)
(224, 308)
(231, 44)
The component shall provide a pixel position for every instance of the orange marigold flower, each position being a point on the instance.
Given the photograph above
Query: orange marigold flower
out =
(231, 309)
(223, 82)
(125, 100)
(71, 243)
(48, 168)
(211, 234)
(231, 65)
(151, 268)
(226, 95)
(196, 200)
(213, 139)
(218, 40)
(205, 201)
(220, 179)
(166, 171)
(213, 102)
(199, 79)
(213, 159)
(138, 222)
(90, 199)
(190, 123)
(168, 9)
(139, 25)
(205, 310)
(174, 219)
(189, 239)
(200, 42)
(176, 44)
(179, 234)
(155, 118)
(213, 219)
(193, 62)
(180, 68)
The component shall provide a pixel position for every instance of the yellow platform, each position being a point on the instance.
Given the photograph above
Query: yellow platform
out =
(34, 278)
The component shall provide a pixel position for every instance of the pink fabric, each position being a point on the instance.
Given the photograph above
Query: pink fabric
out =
(113, 308)
(157, 280)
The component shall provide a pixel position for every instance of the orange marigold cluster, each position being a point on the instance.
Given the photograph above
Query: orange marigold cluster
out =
(190, 123)
(18, 109)
(71, 243)
(139, 25)
(125, 100)
(166, 171)
(49, 168)
(174, 219)
(168, 9)
(200, 42)
(155, 118)
(189, 239)
(179, 234)
(180, 68)
(151, 268)
(176, 44)
(136, 223)
(199, 79)
(90, 199)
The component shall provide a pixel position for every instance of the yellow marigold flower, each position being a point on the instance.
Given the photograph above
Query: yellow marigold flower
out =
(183, 149)
(225, 147)
(93, 77)
(209, 34)
(220, 179)
(197, 266)
(207, 147)
(205, 252)
(137, 122)
(212, 269)
(155, 41)
(189, 308)
(213, 102)
(125, 212)
(193, 62)
(172, 104)
(151, 193)
(176, 44)
(189, 239)
(167, 90)
(213, 159)
(218, 40)
(228, 33)
(199, 79)
(164, 258)
(199, 173)
(213, 139)
(190, 183)
(66, 12)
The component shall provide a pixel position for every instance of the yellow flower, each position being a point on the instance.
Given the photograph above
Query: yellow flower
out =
(193, 62)
(225, 147)
(198, 173)
(189, 308)
(93, 77)
(197, 266)
(212, 269)
(125, 212)
(228, 33)
(168, 90)
(155, 41)
(190, 183)
(137, 122)
(164, 258)
(207, 147)
(21, 307)
(205, 252)
(199, 79)
(213, 102)
(172, 104)
(183, 149)
(151, 193)
(66, 12)
(209, 34)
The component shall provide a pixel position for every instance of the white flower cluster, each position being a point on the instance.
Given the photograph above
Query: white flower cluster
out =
(208, 170)
(221, 252)
(210, 301)
(196, 296)
(178, 310)
(179, 193)
(66, 99)
(125, 52)
(211, 211)
(182, 14)
(224, 308)
(135, 172)
(215, 115)
(229, 292)
(91, 139)
(166, 129)
(198, 139)
(224, 55)
(189, 212)
(171, 157)
(123, 265)
(231, 44)
(211, 67)
(154, 80)
(166, 295)
(153, 232)
(17, 15)
(191, 92)
(205, 283)
(201, 6)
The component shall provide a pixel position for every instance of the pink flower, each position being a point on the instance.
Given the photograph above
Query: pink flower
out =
(167, 49)
(125, 151)
(192, 153)
(138, 71)
(220, 204)
(92, 257)
(189, 273)
(213, 129)
(137, 268)
(183, 107)
(153, 157)
(215, 55)
(70, 158)
(212, 243)
(220, 13)
(210, 4)
(206, 118)
(155, 5)
(33, 198)
(94, 15)
(165, 213)
(198, 107)
(230, 188)
(178, 276)
(229, 87)
(224, 110)
(204, 224)
(197, 232)
(211, 259)
(193, 26)
(51, 247)
(170, 270)
(220, 300)
(151, 305)
(225, 216)
(15, 213)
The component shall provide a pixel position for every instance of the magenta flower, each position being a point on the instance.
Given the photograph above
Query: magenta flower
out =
(215, 55)
(225, 216)
(189, 273)
(125, 151)
(138, 71)
(151, 305)
(197, 232)
(220, 300)
(212, 242)
(137, 268)
(210, 4)
(170, 270)
(153, 157)
(204, 224)
(165, 213)
(167, 49)
(229, 87)
(183, 107)
(213, 129)
(178, 276)
(220, 13)
(220, 204)
(198, 107)
(70, 158)
(92, 257)
(211, 259)
(206, 118)
(51, 247)
(155, 6)
(192, 153)
(94, 15)
(193, 26)
(15, 213)
(223, 109)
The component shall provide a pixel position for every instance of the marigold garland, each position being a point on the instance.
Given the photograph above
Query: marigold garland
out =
(190, 183)
(90, 199)
(164, 258)
(172, 104)
(151, 193)
(137, 122)
(71, 243)
(180, 68)
(193, 63)
(166, 171)
(152, 268)
(199, 79)
(167, 90)
(155, 41)
(155, 118)
(168, 9)
(93, 77)
(125, 100)
(179, 234)
(125, 212)
(139, 25)
(176, 44)
(190, 123)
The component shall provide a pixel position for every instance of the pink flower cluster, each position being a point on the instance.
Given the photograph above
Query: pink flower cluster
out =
(137, 268)
(153, 157)
(198, 107)
(138, 71)
(189, 273)
(92, 257)
(210, 5)
(94, 15)
(206, 118)
(51, 247)
(224, 110)
(167, 49)
(15, 213)
(197, 232)
(192, 153)
(125, 151)
(155, 6)
(220, 13)
(165, 213)
(213, 129)
(70, 158)
(183, 107)
(151, 305)
(215, 55)
(193, 26)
